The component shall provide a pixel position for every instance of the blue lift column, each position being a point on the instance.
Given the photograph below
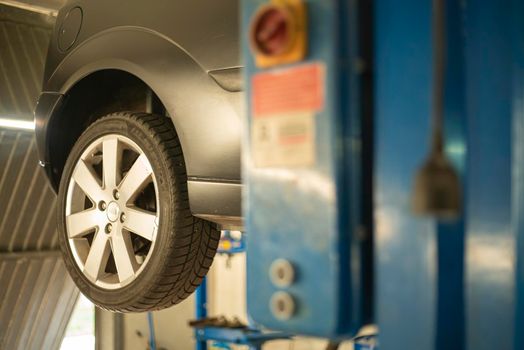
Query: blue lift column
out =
(419, 259)
(451, 285)
(307, 165)
(494, 32)
(439, 284)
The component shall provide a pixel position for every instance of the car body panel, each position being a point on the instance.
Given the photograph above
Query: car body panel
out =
(189, 59)
(206, 30)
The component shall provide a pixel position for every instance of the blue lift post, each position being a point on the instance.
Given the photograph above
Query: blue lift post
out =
(151, 325)
(250, 336)
(494, 32)
(229, 246)
(307, 199)
(456, 285)
(201, 313)
(419, 260)
(440, 284)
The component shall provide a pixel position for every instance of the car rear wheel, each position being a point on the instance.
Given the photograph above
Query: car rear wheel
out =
(126, 231)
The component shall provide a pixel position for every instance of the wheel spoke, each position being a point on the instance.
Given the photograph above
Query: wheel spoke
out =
(108, 260)
(86, 179)
(98, 254)
(112, 159)
(80, 223)
(141, 222)
(124, 255)
(135, 179)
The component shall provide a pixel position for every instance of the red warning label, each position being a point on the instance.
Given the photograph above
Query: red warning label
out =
(293, 89)
(285, 103)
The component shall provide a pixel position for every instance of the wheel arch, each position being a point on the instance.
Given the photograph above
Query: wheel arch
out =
(99, 93)
(130, 62)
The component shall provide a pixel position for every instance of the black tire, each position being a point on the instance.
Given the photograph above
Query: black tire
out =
(185, 245)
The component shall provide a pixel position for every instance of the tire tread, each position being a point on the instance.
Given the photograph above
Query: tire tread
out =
(191, 250)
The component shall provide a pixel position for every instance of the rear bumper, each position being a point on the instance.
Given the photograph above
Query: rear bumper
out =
(219, 202)
(48, 104)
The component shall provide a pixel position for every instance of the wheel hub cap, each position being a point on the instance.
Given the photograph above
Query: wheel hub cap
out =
(113, 211)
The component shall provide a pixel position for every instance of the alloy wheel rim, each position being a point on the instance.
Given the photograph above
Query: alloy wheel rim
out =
(112, 211)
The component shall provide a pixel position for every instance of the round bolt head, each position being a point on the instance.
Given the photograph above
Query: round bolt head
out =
(102, 205)
(116, 195)
(109, 228)
(282, 305)
(282, 273)
(122, 217)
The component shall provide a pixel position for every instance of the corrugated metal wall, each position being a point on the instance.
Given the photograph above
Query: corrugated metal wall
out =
(37, 298)
(36, 294)
(27, 220)
(24, 37)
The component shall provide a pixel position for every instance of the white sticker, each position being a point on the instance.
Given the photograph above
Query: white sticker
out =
(284, 140)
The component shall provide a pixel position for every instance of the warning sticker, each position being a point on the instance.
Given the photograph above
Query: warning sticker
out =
(284, 140)
(285, 103)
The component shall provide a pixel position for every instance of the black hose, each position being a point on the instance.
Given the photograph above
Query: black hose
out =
(439, 70)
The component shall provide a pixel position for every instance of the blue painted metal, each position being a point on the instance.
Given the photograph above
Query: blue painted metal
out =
(221, 345)
(419, 261)
(440, 285)
(251, 337)
(312, 215)
(405, 250)
(480, 305)
(152, 338)
(450, 235)
(201, 311)
(494, 280)
(490, 236)
(517, 31)
(367, 342)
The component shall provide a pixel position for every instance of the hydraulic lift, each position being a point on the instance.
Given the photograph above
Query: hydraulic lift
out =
(223, 332)
(307, 165)
(359, 115)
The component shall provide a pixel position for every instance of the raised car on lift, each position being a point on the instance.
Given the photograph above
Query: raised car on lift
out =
(138, 129)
